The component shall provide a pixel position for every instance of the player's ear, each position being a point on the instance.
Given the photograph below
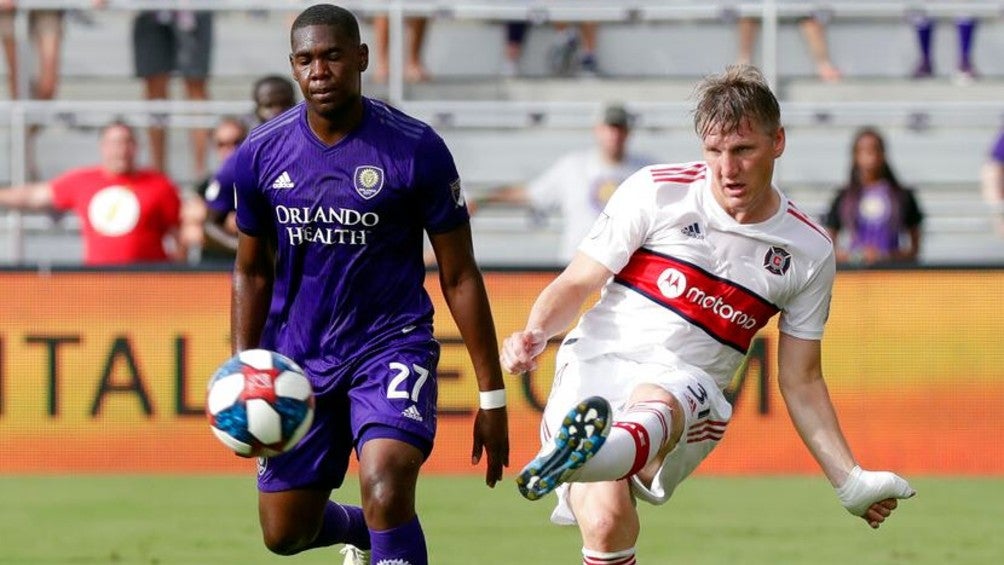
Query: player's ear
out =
(779, 142)
(364, 57)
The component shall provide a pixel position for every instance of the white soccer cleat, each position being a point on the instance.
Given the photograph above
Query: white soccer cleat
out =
(355, 556)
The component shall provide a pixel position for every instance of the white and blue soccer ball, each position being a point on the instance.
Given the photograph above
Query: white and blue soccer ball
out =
(259, 403)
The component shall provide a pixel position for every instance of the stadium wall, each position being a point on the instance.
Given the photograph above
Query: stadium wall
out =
(106, 371)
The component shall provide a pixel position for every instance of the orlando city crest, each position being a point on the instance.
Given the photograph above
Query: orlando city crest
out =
(777, 260)
(368, 181)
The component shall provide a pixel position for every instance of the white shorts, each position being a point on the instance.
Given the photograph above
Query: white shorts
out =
(706, 413)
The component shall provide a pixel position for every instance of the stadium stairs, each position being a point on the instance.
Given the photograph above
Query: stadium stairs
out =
(938, 131)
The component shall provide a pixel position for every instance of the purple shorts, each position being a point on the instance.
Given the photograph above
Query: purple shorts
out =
(391, 393)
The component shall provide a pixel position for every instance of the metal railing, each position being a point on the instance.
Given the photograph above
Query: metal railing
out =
(20, 115)
(626, 11)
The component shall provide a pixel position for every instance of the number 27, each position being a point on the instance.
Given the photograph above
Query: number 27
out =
(394, 391)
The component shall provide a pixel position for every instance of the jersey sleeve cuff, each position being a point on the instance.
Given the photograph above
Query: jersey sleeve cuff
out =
(812, 335)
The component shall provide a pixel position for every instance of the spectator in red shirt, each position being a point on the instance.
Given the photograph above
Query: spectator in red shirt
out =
(128, 215)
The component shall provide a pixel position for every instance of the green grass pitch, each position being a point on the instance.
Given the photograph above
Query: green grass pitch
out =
(161, 520)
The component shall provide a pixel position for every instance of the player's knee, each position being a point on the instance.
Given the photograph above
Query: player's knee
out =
(290, 521)
(284, 541)
(388, 475)
(610, 529)
(386, 502)
(653, 393)
(649, 392)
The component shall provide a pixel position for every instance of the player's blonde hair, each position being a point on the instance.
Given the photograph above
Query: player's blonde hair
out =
(727, 101)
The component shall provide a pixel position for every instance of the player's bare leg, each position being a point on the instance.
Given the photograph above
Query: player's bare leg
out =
(607, 519)
(388, 475)
(296, 520)
(290, 520)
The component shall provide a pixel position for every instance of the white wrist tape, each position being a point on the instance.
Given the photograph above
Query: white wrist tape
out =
(864, 488)
(492, 399)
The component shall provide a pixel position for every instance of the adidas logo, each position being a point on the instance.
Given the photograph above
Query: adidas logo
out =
(283, 181)
(693, 230)
(412, 413)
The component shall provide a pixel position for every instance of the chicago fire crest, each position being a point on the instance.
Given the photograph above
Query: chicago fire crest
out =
(777, 260)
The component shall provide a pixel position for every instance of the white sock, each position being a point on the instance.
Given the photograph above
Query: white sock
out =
(635, 438)
(622, 557)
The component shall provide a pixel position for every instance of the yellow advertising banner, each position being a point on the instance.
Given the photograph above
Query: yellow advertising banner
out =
(106, 372)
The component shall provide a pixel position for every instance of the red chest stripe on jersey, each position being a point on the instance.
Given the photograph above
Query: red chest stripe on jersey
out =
(725, 310)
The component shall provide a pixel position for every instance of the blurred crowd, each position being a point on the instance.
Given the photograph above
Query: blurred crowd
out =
(873, 217)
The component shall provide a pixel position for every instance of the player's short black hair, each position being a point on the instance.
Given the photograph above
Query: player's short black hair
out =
(275, 80)
(328, 15)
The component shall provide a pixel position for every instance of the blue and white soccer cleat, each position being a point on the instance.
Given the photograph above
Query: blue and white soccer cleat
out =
(581, 435)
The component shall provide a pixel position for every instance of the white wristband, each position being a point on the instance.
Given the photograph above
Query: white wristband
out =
(492, 399)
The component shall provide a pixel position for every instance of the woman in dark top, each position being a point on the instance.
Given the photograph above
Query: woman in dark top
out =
(874, 209)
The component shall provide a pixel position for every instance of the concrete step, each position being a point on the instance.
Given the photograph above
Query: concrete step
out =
(255, 43)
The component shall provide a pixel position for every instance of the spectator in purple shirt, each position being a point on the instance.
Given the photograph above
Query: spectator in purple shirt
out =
(333, 197)
(874, 209)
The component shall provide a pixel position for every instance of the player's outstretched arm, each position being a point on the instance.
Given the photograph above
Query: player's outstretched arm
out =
(871, 495)
(554, 310)
(465, 294)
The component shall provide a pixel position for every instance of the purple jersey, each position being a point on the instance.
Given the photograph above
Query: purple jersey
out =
(220, 197)
(347, 221)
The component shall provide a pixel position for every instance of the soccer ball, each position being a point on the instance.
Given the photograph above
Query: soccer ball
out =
(259, 403)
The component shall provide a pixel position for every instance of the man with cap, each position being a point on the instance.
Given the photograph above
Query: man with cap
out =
(578, 185)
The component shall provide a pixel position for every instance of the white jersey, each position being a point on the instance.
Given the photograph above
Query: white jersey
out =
(692, 285)
(578, 186)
